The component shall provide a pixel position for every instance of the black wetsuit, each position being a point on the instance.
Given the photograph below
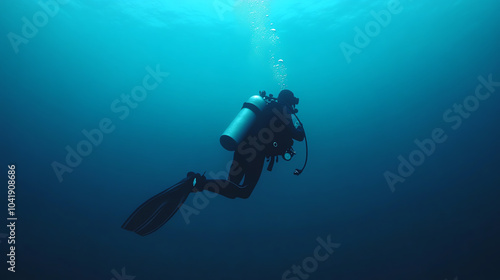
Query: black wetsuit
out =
(274, 124)
(271, 135)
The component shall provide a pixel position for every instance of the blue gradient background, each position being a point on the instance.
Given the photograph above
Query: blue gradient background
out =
(442, 222)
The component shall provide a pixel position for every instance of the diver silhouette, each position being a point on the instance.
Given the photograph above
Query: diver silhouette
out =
(263, 128)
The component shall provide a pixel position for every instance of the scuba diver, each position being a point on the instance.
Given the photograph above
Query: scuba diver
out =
(263, 128)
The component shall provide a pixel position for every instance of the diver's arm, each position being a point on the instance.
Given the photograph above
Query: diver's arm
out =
(298, 133)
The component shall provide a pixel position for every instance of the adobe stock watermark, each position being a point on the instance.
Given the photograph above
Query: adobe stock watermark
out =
(122, 276)
(453, 116)
(30, 28)
(120, 106)
(223, 6)
(310, 264)
(372, 29)
(250, 147)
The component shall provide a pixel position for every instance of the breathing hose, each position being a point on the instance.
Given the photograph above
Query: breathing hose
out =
(299, 171)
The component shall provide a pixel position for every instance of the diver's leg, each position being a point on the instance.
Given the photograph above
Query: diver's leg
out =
(238, 168)
(253, 172)
(225, 188)
(230, 189)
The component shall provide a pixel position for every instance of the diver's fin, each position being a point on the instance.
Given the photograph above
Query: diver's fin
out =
(156, 211)
(166, 210)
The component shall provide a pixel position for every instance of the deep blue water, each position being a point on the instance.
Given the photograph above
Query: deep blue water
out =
(373, 77)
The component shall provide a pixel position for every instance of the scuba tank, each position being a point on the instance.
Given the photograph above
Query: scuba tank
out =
(241, 124)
